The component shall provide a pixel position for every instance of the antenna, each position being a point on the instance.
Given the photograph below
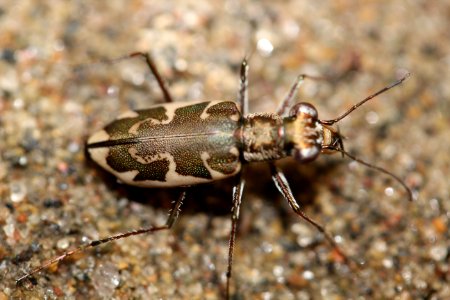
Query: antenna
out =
(398, 82)
(380, 169)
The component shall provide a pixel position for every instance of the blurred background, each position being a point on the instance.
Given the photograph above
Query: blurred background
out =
(55, 92)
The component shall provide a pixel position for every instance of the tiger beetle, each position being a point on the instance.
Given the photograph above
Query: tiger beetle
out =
(181, 144)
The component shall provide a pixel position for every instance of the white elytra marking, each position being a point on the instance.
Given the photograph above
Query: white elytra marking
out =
(128, 114)
(206, 115)
(170, 113)
(234, 151)
(99, 136)
(215, 174)
(150, 158)
(172, 177)
(235, 117)
(99, 156)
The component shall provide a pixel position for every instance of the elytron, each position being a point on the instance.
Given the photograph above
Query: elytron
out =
(180, 144)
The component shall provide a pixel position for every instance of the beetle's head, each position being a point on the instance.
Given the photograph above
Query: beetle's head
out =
(306, 136)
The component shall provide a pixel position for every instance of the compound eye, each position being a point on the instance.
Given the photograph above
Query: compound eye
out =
(304, 109)
(306, 154)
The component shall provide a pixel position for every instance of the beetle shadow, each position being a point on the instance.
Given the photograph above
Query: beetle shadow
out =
(305, 181)
(212, 199)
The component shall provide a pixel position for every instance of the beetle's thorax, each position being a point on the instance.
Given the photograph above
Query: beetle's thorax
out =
(263, 137)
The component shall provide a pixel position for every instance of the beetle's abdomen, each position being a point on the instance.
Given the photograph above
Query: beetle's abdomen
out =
(173, 144)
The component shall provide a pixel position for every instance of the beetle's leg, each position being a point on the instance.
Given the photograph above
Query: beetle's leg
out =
(288, 101)
(283, 186)
(173, 215)
(152, 66)
(243, 87)
(237, 199)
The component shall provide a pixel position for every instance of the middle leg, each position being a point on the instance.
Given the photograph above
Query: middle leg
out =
(237, 200)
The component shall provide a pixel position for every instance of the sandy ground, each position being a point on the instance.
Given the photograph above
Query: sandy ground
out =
(54, 93)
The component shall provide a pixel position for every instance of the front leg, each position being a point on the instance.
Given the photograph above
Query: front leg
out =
(285, 190)
(243, 87)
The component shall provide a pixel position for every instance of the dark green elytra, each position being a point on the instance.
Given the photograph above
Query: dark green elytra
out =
(172, 144)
